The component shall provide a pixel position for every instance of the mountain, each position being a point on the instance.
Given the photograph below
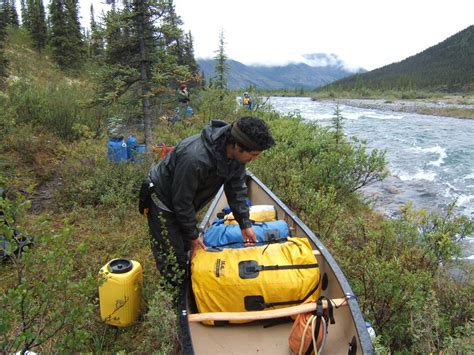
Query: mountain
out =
(447, 66)
(316, 70)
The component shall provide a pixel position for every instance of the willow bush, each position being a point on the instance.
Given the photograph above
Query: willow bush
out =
(55, 105)
(315, 171)
(47, 297)
(397, 268)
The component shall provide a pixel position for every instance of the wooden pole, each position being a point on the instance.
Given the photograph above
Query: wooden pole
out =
(259, 315)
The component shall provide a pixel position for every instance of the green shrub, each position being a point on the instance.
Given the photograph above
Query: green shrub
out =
(394, 268)
(89, 179)
(161, 324)
(55, 105)
(314, 170)
(216, 104)
(47, 301)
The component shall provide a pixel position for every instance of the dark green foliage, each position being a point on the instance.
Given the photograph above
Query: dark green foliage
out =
(25, 18)
(144, 58)
(49, 295)
(399, 272)
(97, 182)
(173, 38)
(121, 45)
(447, 66)
(161, 324)
(66, 37)
(34, 21)
(188, 56)
(3, 60)
(8, 13)
(55, 106)
(221, 67)
(337, 122)
(96, 40)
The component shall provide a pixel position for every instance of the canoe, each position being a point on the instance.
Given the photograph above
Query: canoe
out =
(348, 335)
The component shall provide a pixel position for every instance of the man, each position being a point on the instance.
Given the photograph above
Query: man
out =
(247, 101)
(183, 102)
(191, 175)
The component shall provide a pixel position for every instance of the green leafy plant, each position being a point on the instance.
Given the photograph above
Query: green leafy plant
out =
(47, 300)
(395, 269)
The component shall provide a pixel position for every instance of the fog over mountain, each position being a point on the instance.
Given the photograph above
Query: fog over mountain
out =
(314, 70)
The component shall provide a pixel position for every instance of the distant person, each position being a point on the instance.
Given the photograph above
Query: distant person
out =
(189, 177)
(183, 101)
(247, 101)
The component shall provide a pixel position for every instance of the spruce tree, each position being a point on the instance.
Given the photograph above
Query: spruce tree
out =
(8, 10)
(142, 57)
(172, 33)
(188, 57)
(25, 15)
(66, 37)
(37, 23)
(96, 41)
(3, 60)
(221, 68)
(122, 46)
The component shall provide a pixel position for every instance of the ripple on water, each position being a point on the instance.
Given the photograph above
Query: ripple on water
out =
(432, 157)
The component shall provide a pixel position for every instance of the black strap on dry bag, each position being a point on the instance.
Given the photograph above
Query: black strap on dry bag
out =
(250, 269)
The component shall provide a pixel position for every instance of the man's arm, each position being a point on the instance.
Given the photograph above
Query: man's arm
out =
(236, 192)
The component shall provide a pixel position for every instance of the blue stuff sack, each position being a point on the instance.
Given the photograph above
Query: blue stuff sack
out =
(230, 235)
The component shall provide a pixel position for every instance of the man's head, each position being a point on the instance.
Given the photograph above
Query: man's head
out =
(249, 136)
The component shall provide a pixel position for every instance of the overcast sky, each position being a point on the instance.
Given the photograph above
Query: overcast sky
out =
(362, 33)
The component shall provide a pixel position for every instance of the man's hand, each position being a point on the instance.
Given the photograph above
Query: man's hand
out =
(197, 243)
(249, 237)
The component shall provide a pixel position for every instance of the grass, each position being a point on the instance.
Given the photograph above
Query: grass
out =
(449, 112)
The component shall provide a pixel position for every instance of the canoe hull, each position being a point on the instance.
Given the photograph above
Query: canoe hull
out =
(267, 336)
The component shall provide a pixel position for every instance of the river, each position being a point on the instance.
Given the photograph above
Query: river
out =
(431, 158)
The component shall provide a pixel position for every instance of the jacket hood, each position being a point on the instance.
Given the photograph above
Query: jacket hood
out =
(214, 135)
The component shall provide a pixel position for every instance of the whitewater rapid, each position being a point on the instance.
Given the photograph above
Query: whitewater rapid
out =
(430, 158)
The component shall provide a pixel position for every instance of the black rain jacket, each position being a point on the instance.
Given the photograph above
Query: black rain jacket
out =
(190, 176)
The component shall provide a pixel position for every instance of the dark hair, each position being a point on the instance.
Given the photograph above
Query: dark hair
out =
(255, 129)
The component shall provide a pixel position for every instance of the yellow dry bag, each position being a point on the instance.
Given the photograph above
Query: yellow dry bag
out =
(255, 278)
(258, 213)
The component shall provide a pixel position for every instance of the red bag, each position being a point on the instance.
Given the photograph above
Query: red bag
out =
(302, 332)
(310, 329)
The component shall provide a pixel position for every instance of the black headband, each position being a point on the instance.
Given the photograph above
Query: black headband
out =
(241, 138)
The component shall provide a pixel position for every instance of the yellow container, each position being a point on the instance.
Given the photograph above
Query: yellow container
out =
(120, 284)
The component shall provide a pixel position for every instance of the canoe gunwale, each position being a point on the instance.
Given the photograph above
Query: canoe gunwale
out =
(364, 338)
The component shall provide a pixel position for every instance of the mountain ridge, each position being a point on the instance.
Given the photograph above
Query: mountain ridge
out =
(289, 76)
(446, 66)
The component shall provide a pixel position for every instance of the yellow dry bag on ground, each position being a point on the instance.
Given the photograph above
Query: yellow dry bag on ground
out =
(120, 292)
(255, 278)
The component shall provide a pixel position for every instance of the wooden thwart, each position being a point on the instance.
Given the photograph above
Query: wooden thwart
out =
(259, 315)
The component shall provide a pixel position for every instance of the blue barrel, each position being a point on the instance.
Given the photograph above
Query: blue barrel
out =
(117, 150)
(140, 149)
(131, 146)
(189, 111)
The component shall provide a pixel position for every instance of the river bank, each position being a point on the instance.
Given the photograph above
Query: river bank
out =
(443, 107)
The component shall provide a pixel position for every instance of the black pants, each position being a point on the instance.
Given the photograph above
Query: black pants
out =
(169, 247)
